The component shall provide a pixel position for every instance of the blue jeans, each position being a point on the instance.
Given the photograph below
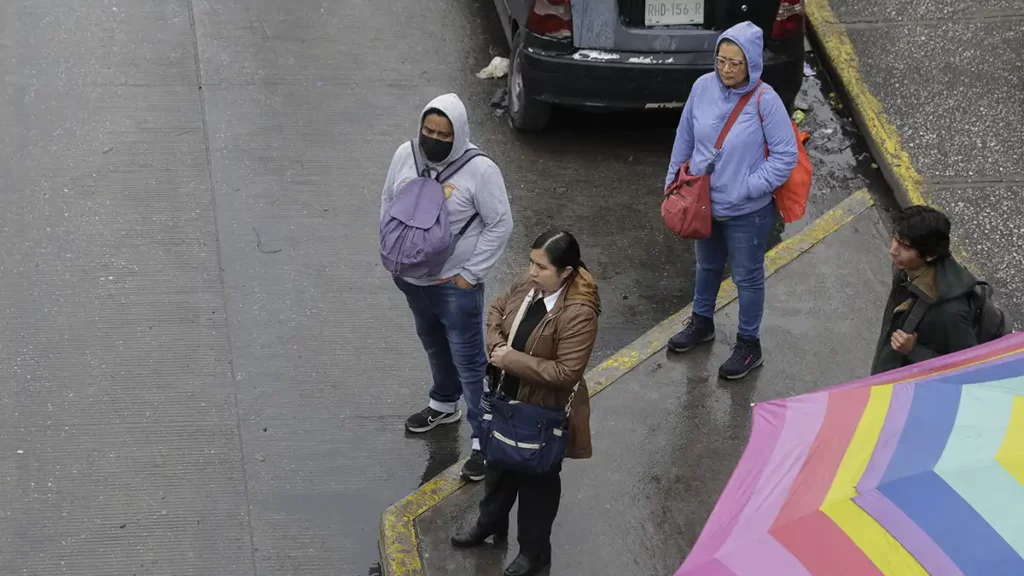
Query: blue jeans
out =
(743, 240)
(449, 322)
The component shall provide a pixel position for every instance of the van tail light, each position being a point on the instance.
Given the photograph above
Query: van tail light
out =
(789, 20)
(550, 18)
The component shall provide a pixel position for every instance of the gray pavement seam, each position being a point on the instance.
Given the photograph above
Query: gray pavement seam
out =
(869, 23)
(223, 289)
(937, 183)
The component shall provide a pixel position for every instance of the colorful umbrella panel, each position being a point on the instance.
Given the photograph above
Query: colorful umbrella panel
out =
(917, 471)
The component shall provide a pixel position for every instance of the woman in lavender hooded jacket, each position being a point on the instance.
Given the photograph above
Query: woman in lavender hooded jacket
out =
(742, 183)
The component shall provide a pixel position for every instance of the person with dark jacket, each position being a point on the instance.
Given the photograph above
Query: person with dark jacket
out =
(924, 270)
(541, 333)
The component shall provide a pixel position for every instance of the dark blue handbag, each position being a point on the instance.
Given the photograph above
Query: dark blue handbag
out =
(523, 437)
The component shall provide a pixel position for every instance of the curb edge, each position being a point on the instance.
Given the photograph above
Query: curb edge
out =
(880, 134)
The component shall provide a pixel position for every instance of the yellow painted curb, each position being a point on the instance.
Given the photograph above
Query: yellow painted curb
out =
(399, 544)
(881, 133)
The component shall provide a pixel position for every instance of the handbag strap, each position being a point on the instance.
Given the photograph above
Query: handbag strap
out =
(530, 297)
(736, 111)
(760, 118)
(568, 405)
(527, 302)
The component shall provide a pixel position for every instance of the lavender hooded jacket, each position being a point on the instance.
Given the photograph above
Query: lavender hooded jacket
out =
(743, 180)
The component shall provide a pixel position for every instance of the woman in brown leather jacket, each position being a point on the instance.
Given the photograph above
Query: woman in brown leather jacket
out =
(552, 310)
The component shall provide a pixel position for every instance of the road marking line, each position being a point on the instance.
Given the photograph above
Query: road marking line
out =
(399, 544)
(788, 250)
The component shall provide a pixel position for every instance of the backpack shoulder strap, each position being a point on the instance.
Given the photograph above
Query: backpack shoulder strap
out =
(465, 227)
(917, 312)
(459, 163)
(453, 169)
(416, 159)
(736, 111)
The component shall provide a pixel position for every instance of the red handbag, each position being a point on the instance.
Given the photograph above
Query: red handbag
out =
(686, 208)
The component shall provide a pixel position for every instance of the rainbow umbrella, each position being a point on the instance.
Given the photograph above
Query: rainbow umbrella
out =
(912, 472)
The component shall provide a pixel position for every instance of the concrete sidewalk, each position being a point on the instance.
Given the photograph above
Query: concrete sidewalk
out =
(937, 89)
(668, 433)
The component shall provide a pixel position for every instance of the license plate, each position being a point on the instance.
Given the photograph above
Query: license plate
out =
(673, 12)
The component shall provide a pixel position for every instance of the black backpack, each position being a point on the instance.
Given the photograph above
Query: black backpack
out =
(990, 322)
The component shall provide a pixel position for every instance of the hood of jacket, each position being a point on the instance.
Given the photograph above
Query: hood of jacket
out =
(455, 110)
(750, 39)
(944, 281)
(946, 326)
(582, 292)
(743, 178)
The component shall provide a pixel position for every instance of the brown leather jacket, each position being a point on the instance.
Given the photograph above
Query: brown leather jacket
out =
(558, 352)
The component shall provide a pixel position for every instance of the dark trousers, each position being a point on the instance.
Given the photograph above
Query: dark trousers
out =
(449, 322)
(538, 505)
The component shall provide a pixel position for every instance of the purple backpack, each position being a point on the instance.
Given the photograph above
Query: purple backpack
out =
(416, 238)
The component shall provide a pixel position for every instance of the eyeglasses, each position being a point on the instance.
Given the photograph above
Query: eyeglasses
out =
(724, 63)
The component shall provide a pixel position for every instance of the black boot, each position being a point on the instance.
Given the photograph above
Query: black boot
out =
(746, 355)
(476, 536)
(525, 565)
(699, 331)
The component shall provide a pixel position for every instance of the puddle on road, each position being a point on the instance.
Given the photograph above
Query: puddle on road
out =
(840, 157)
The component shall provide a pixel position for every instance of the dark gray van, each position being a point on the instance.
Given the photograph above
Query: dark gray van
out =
(622, 54)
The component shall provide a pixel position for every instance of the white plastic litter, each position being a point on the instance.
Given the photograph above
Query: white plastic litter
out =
(808, 71)
(591, 55)
(498, 68)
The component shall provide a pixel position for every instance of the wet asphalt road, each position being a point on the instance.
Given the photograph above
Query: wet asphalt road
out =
(204, 368)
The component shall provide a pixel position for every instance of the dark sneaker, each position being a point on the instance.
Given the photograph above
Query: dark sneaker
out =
(474, 470)
(428, 419)
(699, 331)
(746, 355)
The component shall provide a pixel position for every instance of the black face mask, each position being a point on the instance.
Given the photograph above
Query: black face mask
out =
(435, 150)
